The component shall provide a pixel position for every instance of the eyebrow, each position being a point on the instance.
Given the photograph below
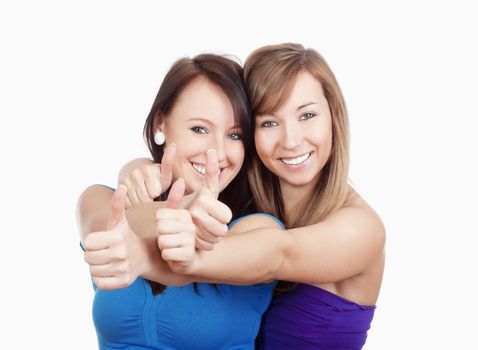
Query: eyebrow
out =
(307, 104)
(298, 108)
(204, 120)
(199, 119)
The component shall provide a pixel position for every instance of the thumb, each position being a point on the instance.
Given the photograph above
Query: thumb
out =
(117, 206)
(176, 194)
(212, 172)
(166, 173)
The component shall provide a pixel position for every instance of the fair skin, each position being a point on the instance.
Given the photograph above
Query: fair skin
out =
(205, 153)
(295, 142)
(343, 254)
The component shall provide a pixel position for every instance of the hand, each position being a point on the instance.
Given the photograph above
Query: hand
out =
(116, 256)
(210, 215)
(147, 182)
(176, 232)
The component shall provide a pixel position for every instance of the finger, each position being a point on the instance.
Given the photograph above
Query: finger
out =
(169, 227)
(97, 241)
(142, 192)
(203, 245)
(177, 254)
(152, 182)
(117, 206)
(106, 270)
(128, 203)
(167, 166)
(212, 171)
(182, 239)
(212, 207)
(176, 194)
(133, 197)
(210, 229)
(97, 257)
(109, 283)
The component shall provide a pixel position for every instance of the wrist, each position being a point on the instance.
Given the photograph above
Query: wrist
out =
(149, 251)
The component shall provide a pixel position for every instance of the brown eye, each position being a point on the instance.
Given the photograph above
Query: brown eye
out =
(307, 115)
(199, 130)
(235, 136)
(268, 124)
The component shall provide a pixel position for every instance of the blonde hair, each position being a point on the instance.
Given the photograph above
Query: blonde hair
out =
(270, 73)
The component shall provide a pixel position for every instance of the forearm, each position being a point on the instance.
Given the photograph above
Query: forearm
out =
(158, 270)
(247, 258)
(93, 212)
(141, 219)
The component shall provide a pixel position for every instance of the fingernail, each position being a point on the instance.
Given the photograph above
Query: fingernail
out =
(211, 150)
(125, 188)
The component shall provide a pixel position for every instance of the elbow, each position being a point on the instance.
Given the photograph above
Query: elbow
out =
(92, 210)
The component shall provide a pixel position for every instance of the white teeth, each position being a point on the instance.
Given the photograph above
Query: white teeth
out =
(297, 160)
(201, 169)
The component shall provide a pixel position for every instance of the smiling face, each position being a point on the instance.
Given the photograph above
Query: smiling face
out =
(295, 141)
(203, 118)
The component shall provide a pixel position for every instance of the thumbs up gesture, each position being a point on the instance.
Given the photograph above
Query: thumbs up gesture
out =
(209, 214)
(176, 232)
(116, 256)
(145, 180)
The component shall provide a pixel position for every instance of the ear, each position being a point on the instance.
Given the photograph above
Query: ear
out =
(159, 123)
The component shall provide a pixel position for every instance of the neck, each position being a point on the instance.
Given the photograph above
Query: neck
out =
(295, 199)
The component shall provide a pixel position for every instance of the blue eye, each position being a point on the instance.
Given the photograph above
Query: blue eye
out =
(269, 124)
(307, 115)
(235, 136)
(199, 130)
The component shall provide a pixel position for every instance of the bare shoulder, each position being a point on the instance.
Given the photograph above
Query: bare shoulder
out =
(357, 213)
(254, 221)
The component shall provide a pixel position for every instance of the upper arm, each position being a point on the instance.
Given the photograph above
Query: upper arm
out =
(93, 209)
(340, 247)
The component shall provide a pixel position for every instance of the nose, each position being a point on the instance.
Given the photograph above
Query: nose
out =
(219, 145)
(291, 136)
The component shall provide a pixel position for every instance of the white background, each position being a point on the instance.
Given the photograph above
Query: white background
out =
(77, 80)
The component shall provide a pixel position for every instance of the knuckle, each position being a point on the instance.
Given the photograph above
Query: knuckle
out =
(87, 242)
(202, 200)
(136, 174)
(165, 254)
(122, 268)
(160, 242)
(121, 253)
(184, 214)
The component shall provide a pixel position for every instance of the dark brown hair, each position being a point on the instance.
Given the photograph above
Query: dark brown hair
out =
(228, 76)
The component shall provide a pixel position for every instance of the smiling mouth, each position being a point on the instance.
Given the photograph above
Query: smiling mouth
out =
(201, 168)
(296, 160)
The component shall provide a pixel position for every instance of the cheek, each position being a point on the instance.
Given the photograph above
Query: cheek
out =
(237, 154)
(264, 146)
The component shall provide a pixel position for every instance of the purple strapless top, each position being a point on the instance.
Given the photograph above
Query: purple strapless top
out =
(309, 317)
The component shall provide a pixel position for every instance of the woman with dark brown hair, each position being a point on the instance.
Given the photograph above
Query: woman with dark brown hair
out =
(199, 126)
